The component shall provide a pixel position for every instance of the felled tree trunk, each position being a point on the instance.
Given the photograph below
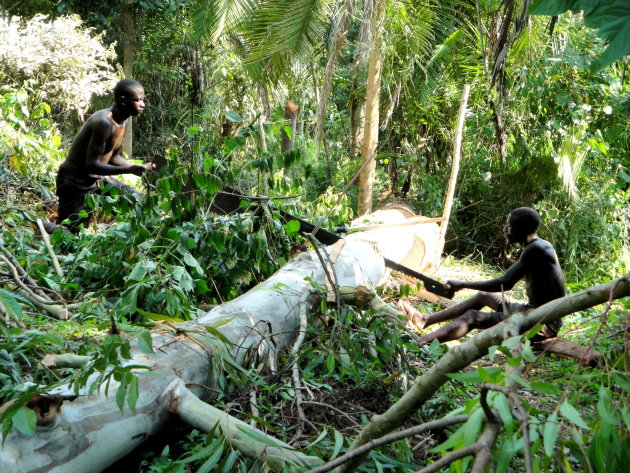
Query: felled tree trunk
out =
(91, 433)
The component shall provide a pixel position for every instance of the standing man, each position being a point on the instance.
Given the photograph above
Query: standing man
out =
(95, 154)
(538, 265)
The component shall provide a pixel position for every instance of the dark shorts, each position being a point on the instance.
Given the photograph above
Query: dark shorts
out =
(506, 306)
(72, 190)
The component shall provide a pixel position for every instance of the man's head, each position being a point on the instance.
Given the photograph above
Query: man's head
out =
(129, 95)
(521, 222)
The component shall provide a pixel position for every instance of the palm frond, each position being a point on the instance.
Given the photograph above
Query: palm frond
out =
(211, 18)
(287, 28)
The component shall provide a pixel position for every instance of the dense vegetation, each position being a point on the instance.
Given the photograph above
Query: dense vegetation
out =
(548, 126)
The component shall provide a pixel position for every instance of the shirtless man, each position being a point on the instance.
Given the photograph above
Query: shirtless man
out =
(96, 154)
(538, 265)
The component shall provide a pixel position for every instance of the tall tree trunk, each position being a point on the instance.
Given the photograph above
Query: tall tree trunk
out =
(452, 182)
(337, 41)
(128, 55)
(357, 99)
(370, 138)
(290, 114)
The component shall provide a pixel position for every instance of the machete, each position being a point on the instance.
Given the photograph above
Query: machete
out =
(328, 238)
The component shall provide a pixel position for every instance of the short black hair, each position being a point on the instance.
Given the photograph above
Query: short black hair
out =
(524, 220)
(126, 87)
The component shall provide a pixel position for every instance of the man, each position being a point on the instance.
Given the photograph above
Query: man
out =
(96, 154)
(538, 265)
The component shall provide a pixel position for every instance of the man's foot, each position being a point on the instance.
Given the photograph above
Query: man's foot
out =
(415, 317)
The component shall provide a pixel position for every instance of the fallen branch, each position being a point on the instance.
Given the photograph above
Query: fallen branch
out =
(391, 438)
(49, 247)
(65, 360)
(240, 435)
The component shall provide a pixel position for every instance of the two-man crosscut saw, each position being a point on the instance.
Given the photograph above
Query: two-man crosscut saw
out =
(329, 238)
(228, 200)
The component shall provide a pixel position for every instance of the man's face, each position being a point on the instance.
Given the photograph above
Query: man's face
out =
(135, 102)
(508, 231)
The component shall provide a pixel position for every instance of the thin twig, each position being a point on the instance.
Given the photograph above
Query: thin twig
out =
(296, 368)
(253, 405)
(49, 247)
(324, 265)
(372, 444)
(453, 456)
(18, 280)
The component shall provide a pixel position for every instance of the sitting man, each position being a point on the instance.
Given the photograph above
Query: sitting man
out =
(538, 265)
(95, 154)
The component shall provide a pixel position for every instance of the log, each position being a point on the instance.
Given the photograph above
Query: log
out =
(566, 349)
(92, 433)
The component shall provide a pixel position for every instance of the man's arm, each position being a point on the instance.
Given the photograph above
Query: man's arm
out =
(504, 283)
(101, 132)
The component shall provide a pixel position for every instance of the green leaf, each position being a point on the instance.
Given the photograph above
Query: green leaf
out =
(259, 436)
(145, 341)
(552, 7)
(550, 433)
(292, 227)
(25, 421)
(191, 261)
(132, 397)
(154, 316)
(233, 116)
(544, 388)
(209, 464)
(611, 19)
(192, 131)
(338, 444)
(218, 335)
(604, 407)
(229, 462)
(204, 452)
(9, 304)
(503, 406)
(121, 392)
(288, 131)
(468, 377)
(473, 425)
(182, 277)
(571, 414)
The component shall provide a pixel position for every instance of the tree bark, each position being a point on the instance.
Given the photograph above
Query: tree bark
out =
(357, 99)
(370, 138)
(290, 114)
(452, 182)
(128, 55)
(338, 39)
(92, 433)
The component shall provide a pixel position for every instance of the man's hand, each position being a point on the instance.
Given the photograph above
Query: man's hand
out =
(455, 284)
(140, 169)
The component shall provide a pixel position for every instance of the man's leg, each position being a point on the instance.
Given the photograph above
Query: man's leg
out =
(71, 193)
(476, 302)
(472, 319)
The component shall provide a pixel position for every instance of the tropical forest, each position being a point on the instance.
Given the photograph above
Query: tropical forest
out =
(314, 236)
